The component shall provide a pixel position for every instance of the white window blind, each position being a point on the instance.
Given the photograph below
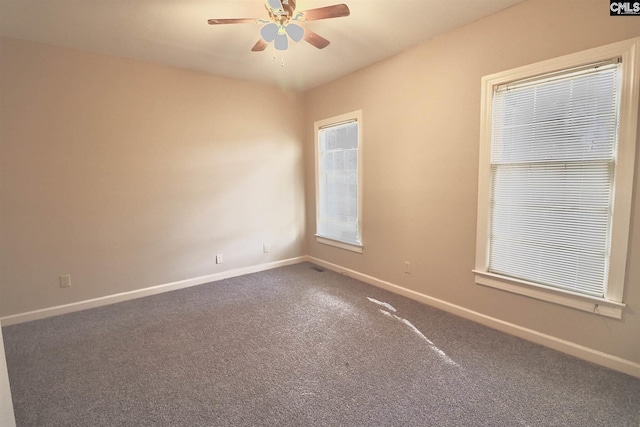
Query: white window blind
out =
(338, 182)
(553, 159)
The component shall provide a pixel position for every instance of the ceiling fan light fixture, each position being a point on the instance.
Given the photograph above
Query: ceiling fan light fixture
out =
(269, 32)
(275, 4)
(281, 42)
(295, 31)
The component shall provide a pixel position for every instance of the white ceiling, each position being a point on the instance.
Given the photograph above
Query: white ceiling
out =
(175, 32)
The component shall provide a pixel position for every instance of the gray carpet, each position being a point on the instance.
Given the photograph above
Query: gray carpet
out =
(295, 346)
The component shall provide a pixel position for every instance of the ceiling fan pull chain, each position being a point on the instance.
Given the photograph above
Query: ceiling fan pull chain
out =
(274, 57)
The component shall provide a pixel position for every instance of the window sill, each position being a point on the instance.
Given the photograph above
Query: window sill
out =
(593, 305)
(338, 244)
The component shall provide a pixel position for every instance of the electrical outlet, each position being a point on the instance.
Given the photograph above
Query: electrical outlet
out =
(219, 259)
(65, 280)
(265, 249)
(407, 267)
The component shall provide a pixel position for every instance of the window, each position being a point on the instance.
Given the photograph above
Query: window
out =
(338, 181)
(556, 175)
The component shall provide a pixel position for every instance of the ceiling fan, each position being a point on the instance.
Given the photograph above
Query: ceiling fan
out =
(282, 24)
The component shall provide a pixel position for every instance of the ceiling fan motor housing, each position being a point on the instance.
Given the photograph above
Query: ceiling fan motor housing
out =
(283, 13)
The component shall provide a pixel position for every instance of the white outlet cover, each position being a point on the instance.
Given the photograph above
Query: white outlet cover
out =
(65, 280)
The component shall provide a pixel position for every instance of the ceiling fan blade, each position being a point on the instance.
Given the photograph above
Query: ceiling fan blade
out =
(232, 21)
(259, 46)
(335, 11)
(314, 39)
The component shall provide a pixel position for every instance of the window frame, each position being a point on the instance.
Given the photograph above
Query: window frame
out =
(612, 303)
(353, 116)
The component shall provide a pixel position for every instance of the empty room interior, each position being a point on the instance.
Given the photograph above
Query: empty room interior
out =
(195, 233)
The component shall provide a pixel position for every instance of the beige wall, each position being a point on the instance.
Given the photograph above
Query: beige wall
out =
(421, 118)
(128, 174)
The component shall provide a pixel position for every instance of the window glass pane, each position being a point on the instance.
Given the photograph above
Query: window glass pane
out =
(562, 120)
(338, 182)
(553, 161)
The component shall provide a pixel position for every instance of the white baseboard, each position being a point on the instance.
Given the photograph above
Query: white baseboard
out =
(7, 417)
(573, 349)
(568, 347)
(139, 293)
